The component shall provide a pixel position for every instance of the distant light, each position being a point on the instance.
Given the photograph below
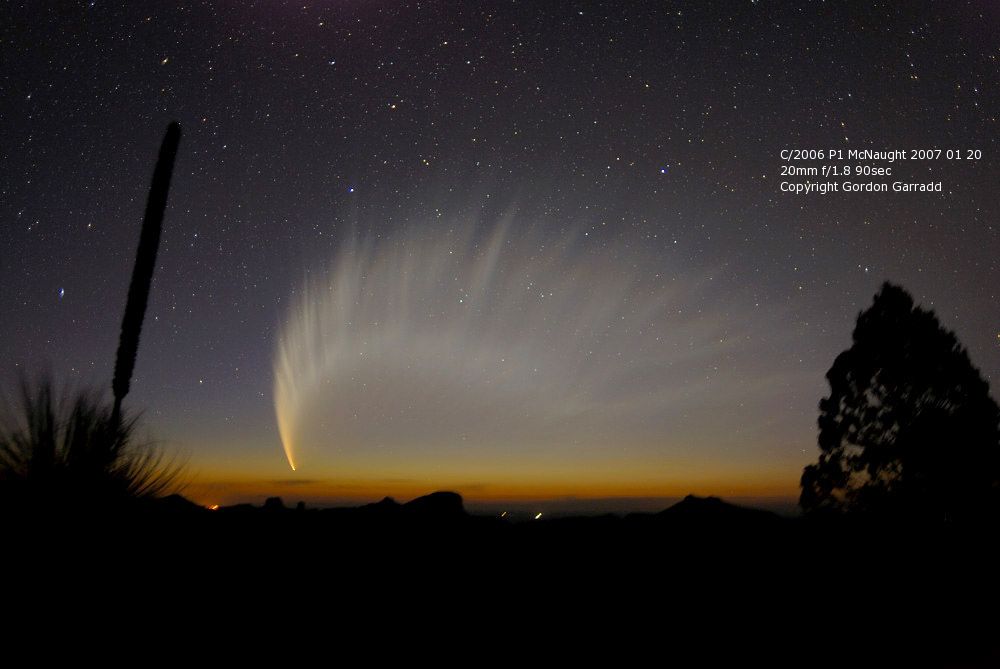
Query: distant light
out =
(62, 293)
(214, 507)
(537, 516)
(351, 189)
(503, 515)
(663, 170)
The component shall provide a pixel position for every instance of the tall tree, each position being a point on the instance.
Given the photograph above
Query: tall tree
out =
(142, 273)
(909, 425)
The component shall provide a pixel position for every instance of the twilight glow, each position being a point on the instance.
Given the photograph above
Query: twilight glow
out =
(482, 352)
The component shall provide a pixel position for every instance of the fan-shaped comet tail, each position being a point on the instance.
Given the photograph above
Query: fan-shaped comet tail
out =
(489, 343)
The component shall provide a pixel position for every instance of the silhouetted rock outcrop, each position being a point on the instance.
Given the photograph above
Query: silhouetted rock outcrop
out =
(713, 509)
(386, 505)
(437, 505)
(274, 504)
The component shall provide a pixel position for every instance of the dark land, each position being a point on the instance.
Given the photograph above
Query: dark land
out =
(897, 594)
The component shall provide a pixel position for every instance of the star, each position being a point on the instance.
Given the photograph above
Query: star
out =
(554, 133)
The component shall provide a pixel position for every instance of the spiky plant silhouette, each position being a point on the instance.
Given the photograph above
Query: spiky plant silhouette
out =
(142, 273)
(79, 451)
(71, 451)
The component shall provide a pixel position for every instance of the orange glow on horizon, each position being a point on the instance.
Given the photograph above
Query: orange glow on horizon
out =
(322, 492)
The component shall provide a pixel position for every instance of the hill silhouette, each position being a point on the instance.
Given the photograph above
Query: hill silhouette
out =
(694, 509)
(446, 505)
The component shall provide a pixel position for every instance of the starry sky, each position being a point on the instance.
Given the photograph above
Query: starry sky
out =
(607, 295)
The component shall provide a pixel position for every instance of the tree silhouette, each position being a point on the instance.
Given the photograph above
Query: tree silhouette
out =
(909, 426)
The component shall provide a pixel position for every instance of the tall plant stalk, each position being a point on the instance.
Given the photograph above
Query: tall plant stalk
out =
(142, 273)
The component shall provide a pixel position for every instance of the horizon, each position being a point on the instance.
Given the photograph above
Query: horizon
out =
(323, 494)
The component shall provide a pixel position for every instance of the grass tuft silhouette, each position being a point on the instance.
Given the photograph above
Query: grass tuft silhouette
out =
(71, 452)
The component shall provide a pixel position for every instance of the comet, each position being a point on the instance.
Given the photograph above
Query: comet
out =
(480, 342)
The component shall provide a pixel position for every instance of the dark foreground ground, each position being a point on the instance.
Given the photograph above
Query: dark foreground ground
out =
(723, 585)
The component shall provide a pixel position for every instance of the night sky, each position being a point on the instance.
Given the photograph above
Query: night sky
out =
(522, 250)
